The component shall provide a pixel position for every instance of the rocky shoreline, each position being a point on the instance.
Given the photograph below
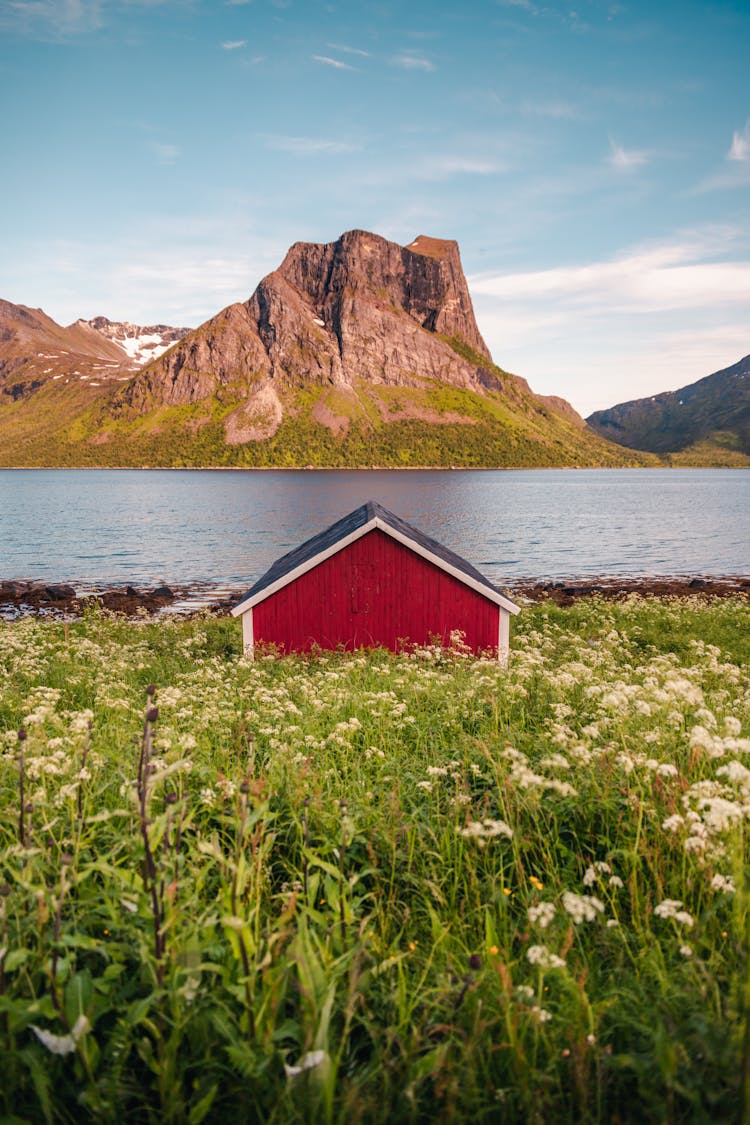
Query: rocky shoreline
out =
(565, 592)
(66, 600)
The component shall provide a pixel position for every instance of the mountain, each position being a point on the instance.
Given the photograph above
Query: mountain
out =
(356, 352)
(707, 422)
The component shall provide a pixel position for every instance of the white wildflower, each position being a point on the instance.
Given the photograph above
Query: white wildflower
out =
(735, 773)
(581, 908)
(672, 908)
(719, 814)
(312, 1060)
(667, 908)
(226, 787)
(62, 1044)
(673, 823)
(541, 914)
(497, 828)
(593, 872)
(541, 956)
(556, 761)
(723, 883)
(541, 1014)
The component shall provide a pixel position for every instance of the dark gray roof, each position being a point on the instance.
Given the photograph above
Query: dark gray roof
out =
(308, 550)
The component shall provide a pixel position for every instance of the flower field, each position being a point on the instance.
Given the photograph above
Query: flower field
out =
(366, 887)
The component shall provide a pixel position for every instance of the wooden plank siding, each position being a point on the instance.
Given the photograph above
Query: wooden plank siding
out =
(374, 592)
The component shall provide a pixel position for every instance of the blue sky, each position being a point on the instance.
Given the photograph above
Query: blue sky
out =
(592, 159)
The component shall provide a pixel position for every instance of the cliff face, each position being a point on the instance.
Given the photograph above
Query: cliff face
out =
(345, 280)
(360, 308)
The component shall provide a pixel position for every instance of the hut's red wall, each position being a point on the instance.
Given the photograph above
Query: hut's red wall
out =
(374, 592)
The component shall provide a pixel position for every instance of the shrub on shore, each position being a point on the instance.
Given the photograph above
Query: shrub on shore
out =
(374, 887)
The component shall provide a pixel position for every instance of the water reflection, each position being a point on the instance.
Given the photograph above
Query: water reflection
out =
(228, 526)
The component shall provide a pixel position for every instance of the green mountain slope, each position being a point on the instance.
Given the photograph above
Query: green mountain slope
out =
(390, 427)
(705, 423)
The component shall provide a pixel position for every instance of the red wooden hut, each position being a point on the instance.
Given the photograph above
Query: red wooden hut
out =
(371, 580)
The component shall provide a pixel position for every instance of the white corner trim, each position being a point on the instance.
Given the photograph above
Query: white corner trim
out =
(503, 640)
(248, 635)
(417, 548)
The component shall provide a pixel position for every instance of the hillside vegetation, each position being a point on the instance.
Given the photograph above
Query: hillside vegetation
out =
(397, 427)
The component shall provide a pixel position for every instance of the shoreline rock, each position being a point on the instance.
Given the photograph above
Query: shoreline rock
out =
(19, 597)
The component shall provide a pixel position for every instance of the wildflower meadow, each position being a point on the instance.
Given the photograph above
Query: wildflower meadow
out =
(369, 887)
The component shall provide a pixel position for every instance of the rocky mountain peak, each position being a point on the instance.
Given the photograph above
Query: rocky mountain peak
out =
(425, 280)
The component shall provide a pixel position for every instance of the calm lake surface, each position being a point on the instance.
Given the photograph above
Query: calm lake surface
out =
(227, 527)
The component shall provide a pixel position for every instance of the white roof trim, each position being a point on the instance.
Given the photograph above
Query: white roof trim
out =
(303, 568)
(491, 595)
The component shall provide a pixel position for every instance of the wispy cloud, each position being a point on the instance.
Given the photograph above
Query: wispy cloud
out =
(611, 329)
(442, 167)
(336, 63)
(673, 275)
(171, 269)
(408, 61)
(234, 44)
(348, 50)
(51, 17)
(166, 154)
(308, 146)
(555, 108)
(526, 5)
(625, 159)
(740, 148)
(735, 170)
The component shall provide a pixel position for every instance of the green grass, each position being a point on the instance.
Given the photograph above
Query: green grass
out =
(377, 888)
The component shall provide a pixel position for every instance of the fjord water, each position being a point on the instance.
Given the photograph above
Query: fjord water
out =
(226, 527)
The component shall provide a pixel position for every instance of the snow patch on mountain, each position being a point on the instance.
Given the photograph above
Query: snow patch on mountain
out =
(140, 345)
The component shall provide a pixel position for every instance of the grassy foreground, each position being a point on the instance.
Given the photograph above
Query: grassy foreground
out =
(376, 888)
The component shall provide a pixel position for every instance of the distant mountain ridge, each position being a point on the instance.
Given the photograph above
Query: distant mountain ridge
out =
(35, 350)
(705, 422)
(356, 352)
